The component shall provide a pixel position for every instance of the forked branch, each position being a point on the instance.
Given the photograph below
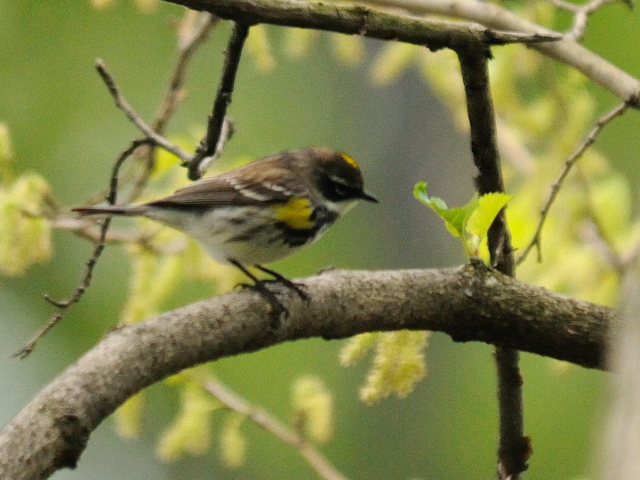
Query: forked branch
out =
(568, 165)
(264, 419)
(75, 297)
(213, 142)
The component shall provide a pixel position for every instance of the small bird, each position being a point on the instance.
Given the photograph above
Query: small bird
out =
(260, 212)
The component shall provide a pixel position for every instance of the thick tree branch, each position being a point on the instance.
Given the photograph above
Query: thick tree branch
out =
(622, 435)
(371, 22)
(361, 20)
(515, 448)
(469, 303)
(567, 50)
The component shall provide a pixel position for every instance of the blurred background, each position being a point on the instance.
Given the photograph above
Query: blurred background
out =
(64, 125)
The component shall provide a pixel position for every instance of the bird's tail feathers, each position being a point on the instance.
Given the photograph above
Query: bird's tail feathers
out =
(125, 210)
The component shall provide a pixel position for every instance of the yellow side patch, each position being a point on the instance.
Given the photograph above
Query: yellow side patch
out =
(350, 160)
(296, 213)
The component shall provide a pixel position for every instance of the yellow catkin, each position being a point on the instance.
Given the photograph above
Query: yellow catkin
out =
(190, 432)
(233, 444)
(128, 418)
(357, 347)
(313, 404)
(398, 365)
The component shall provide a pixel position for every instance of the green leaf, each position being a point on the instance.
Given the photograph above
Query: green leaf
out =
(471, 222)
(436, 204)
(488, 207)
(455, 218)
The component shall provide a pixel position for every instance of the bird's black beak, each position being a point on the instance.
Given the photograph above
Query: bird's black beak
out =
(368, 198)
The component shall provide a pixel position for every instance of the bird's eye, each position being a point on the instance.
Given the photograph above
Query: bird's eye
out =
(337, 189)
(340, 189)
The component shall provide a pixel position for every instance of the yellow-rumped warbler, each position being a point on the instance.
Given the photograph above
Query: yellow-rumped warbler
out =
(260, 212)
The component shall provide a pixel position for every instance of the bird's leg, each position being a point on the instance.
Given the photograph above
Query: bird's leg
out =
(296, 287)
(260, 287)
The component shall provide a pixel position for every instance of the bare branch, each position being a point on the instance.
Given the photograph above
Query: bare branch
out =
(216, 132)
(582, 13)
(363, 20)
(226, 132)
(492, 15)
(622, 433)
(63, 305)
(470, 303)
(193, 31)
(262, 418)
(135, 118)
(190, 39)
(515, 448)
(568, 165)
(366, 21)
(89, 230)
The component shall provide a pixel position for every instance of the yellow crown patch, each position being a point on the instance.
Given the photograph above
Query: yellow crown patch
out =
(350, 160)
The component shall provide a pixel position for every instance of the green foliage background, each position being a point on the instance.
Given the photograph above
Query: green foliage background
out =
(64, 125)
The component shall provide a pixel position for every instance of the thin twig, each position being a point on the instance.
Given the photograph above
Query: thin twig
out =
(557, 184)
(514, 447)
(87, 229)
(582, 15)
(262, 418)
(190, 39)
(228, 127)
(193, 31)
(582, 12)
(63, 305)
(135, 118)
(564, 5)
(593, 234)
(490, 15)
(152, 138)
(209, 145)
